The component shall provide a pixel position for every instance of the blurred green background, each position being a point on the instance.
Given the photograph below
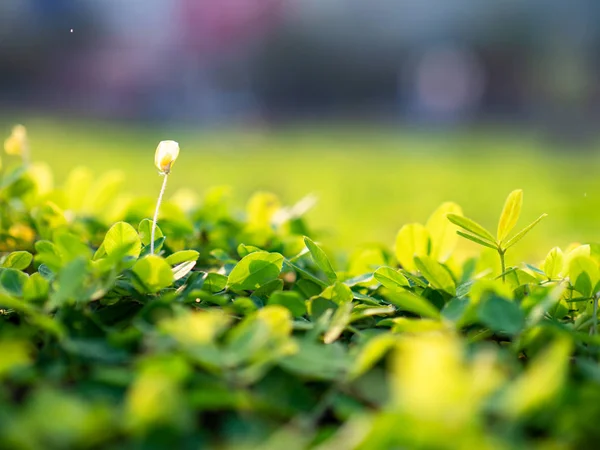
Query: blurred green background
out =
(369, 180)
(382, 109)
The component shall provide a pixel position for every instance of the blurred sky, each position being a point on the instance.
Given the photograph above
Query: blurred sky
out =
(269, 61)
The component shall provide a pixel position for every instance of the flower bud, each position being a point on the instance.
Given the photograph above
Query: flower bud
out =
(166, 154)
(16, 143)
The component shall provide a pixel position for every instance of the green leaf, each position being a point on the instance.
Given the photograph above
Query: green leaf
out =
(264, 334)
(305, 274)
(403, 325)
(290, 300)
(15, 354)
(410, 302)
(455, 309)
(417, 281)
(214, 282)
(500, 315)
(158, 244)
(153, 273)
(510, 214)
(123, 236)
(307, 288)
(362, 311)
(317, 361)
(584, 274)
(36, 288)
(554, 263)
(254, 270)
(338, 293)
(104, 190)
(321, 259)
(339, 322)
(47, 254)
(412, 240)
(359, 279)
(33, 314)
(145, 232)
(77, 186)
(182, 257)
(99, 253)
(260, 208)
(265, 291)
(181, 270)
(318, 306)
(370, 353)
(12, 177)
(46, 273)
(222, 255)
(436, 274)
(472, 227)
(542, 380)
(517, 237)
(48, 218)
(12, 281)
(390, 278)
(18, 260)
(476, 240)
(244, 250)
(70, 247)
(69, 283)
(442, 232)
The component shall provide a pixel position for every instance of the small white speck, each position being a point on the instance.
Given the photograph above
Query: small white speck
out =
(71, 30)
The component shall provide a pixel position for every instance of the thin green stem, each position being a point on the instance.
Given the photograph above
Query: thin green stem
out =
(502, 264)
(155, 219)
(594, 329)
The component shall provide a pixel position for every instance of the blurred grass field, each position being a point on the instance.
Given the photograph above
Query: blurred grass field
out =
(369, 181)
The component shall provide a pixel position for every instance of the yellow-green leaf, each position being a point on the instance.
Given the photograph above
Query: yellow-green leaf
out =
(145, 231)
(436, 274)
(476, 240)
(540, 383)
(18, 260)
(584, 274)
(260, 208)
(339, 321)
(254, 270)
(371, 352)
(412, 240)
(321, 259)
(122, 236)
(408, 301)
(554, 263)
(182, 256)
(390, 278)
(153, 273)
(517, 237)
(471, 226)
(415, 326)
(442, 232)
(510, 214)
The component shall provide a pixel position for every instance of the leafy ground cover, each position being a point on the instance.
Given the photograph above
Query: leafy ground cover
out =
(369, 181)
(241, 331)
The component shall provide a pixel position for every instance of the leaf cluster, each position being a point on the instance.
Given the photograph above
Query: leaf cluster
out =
(243, 332)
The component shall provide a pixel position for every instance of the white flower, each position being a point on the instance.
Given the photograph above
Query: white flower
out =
(166, 154)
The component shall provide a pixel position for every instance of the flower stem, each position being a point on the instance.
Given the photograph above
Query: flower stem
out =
(502, 264)
(155, 219)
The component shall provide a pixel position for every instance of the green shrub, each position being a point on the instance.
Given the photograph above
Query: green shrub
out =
(232, 331)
